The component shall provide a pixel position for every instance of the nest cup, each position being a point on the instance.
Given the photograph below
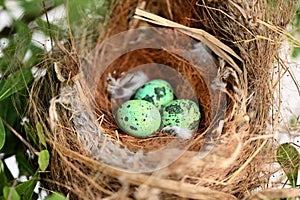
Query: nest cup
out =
(187, 64)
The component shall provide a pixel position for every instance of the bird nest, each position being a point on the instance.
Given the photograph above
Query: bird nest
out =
(217, 53)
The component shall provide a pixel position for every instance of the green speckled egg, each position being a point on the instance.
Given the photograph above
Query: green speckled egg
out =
(138, 118)
(183, 113)
(158, 92)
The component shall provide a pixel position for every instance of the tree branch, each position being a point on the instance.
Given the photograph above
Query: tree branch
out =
(27, 144)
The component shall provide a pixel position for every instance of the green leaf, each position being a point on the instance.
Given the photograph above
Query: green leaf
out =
(10, 193)
(26, 189)
(84, 13)
(295, 51)
(41, 134)
(32, 9)
(2, 134)
(37, 55)
(12, 144)
(9, 113)
(43, 159)
(7, 173)
(15, 82)
(30, 133)
(12, 117)
(24, 165)
(289, 159)
(293, 121)
(56, 196)
(3, 178)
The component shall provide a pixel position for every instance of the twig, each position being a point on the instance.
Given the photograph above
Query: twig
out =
(231, 178)
(209, 40)
(181, 189)
(30, 147)
(11, 190)
(70, 30)
(48, 23)
(275, 194)
(169, 9)
(286, 68)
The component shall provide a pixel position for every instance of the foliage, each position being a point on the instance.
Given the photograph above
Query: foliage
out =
(296, 32)
(56, 196)
(289, 159)
(20, 53)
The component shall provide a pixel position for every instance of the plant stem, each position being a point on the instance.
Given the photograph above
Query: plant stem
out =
(30, 147)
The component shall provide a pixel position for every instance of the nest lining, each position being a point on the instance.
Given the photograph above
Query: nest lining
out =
(103, 141)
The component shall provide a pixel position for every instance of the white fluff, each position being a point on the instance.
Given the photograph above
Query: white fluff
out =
(126, 85)
(178, 131)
